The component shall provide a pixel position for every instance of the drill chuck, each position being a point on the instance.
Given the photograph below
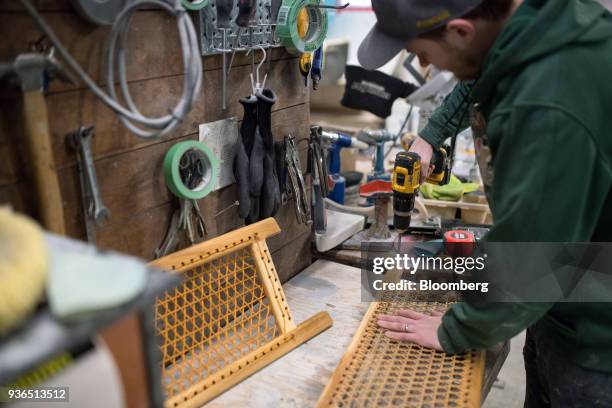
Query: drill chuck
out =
(403, 204)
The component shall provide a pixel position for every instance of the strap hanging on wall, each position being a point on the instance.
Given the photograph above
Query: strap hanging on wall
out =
(191, 170)
(287, 25)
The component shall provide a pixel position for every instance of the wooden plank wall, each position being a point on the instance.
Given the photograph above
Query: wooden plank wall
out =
(130, 169)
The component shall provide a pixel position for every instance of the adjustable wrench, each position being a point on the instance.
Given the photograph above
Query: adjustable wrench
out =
(93, 206)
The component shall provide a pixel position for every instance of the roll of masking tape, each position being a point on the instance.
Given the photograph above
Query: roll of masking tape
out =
(194, 4)
(287, 29)
(208, 165)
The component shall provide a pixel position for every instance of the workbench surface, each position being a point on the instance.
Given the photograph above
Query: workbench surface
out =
(298, 378)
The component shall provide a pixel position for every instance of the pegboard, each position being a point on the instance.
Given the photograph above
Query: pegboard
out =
(380, 372)
(237, 38)
(227, 319)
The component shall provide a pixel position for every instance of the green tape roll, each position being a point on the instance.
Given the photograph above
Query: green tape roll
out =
(194, 4)
(287, 28)
(173, 176)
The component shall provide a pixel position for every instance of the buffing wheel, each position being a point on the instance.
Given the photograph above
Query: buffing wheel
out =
(24, 264)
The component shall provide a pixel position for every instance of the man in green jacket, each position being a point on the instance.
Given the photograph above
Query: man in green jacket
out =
(536, 87)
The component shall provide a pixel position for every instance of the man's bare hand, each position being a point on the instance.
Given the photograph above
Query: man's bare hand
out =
(421, 147)
(414, 327)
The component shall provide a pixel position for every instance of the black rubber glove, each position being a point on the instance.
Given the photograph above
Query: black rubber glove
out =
(255, 148)
(244, 146)
(270, 199)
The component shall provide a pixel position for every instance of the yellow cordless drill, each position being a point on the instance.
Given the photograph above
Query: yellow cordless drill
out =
(406, 181)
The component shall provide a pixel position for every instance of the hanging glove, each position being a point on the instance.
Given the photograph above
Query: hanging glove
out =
(270, 198)
(244, 146)
(256, 172)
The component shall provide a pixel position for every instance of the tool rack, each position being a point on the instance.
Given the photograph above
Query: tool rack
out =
(236, 38)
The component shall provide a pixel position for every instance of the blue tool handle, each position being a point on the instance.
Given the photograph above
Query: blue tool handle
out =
(316, 72)
(334, 159)
(317, 61)
(379, 166)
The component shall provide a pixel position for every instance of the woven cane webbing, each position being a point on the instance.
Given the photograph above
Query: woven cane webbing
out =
(228, 318)
(379, 372)
(217, 315)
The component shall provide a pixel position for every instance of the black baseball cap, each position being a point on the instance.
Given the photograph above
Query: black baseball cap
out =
(398, 21)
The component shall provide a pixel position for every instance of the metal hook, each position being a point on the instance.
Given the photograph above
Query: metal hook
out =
(255, 84)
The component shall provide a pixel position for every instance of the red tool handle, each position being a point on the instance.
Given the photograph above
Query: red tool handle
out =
(459, 243)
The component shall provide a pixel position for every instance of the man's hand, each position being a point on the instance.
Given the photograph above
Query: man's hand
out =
(412, 326)
(421, 147)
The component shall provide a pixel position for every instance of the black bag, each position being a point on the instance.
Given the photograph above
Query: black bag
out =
(373, 91)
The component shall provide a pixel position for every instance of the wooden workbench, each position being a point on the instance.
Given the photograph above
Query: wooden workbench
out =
(297, 379)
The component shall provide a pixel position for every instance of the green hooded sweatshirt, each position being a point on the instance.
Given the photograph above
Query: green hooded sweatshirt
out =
(545, 103)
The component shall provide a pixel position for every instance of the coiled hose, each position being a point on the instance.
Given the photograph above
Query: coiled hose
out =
(141, 125)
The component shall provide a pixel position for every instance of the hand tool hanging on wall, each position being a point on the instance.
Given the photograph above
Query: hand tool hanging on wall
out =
(224, 9)
(191, 171)
(130, 115)
(94, 210)
(246, 13)
(317, 166)
(316, 72)
(284, 184)
(297, 183)
(305, 62)
(31, 71)
(274, 8)
(305, 65)
(252, 24)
